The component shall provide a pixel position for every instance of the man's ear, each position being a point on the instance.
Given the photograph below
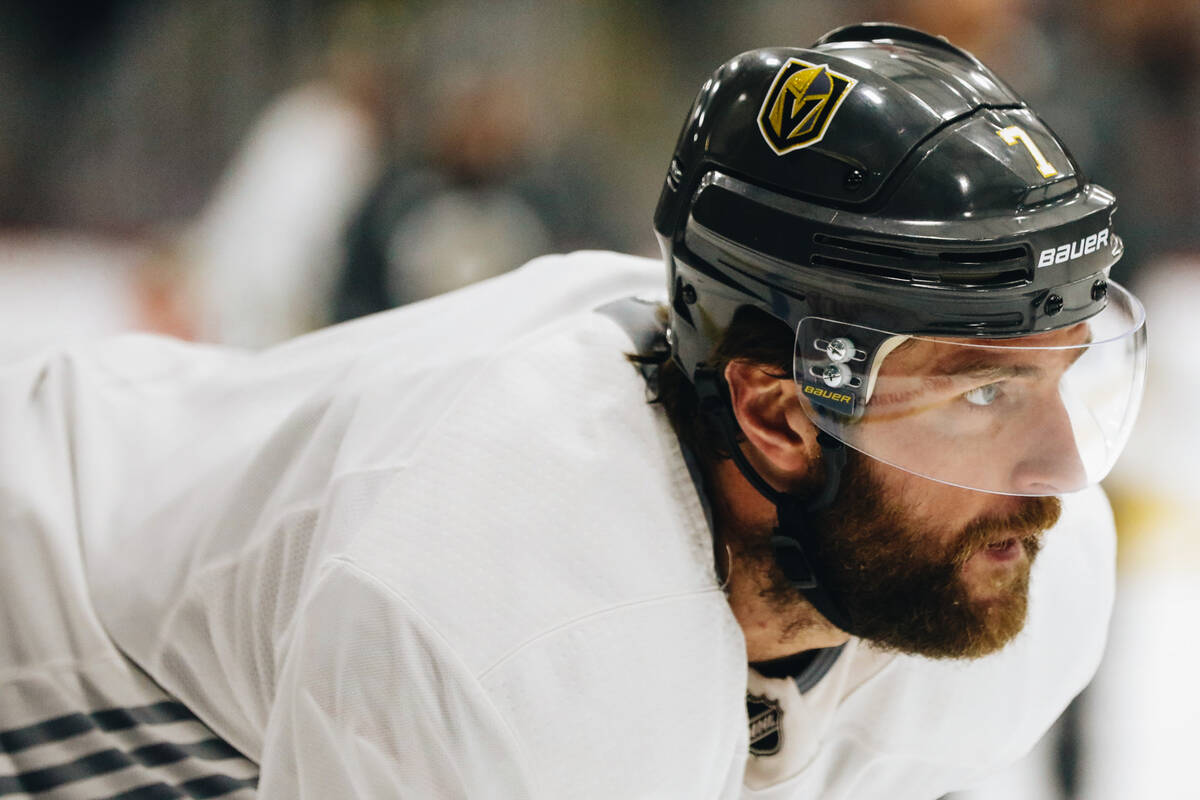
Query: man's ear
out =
(767, 409)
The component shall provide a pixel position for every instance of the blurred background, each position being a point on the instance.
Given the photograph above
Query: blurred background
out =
(242, 171)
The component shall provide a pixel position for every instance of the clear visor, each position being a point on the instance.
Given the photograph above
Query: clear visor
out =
(1043, 414)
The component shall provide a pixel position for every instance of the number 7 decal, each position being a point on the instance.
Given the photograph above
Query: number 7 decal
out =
(1013, 134)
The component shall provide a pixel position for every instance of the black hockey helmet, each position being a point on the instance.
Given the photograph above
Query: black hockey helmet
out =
(931, 242)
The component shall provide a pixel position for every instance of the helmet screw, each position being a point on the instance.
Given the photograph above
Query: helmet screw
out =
(840, 349)
(669, 335)
(835, 375)
(855, 178)
(1099, 290)
(1054, 304)
(689, 294)
(675, 174)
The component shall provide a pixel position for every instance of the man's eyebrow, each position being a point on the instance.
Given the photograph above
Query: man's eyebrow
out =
(984, 368)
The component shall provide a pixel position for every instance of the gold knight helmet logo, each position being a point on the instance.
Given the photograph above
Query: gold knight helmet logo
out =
(800, 105)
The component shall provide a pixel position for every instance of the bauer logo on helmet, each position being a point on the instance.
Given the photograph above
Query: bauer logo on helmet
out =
(1069, 252)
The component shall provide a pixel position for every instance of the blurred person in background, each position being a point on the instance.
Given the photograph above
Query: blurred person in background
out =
(472, 548)
(262, 255)
(470, 209)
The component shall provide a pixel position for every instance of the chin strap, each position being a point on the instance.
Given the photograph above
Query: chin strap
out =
(792, 540)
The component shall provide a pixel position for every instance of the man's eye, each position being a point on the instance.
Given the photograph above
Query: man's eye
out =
(982, 395)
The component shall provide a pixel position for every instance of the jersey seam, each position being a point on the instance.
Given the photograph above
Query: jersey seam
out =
(382, 586)
(275, 520)
(282, 515)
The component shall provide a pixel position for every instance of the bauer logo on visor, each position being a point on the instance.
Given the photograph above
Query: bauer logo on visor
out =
(837, 401)
(800, 105)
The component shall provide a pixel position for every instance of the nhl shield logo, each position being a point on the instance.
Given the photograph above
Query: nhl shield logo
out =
(764, 715)
(800, 105)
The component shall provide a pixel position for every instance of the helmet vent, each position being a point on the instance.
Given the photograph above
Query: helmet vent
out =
(959, 268)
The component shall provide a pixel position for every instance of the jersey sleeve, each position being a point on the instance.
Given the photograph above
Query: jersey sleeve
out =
(372, 702)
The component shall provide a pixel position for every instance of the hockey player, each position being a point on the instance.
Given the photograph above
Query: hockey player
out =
(774, 538)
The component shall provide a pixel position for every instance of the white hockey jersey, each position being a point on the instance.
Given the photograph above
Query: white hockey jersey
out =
(448, 551)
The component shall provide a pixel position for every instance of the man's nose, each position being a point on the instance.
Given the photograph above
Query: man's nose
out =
(1050, 462)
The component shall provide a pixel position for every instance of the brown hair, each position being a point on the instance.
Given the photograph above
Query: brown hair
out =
(754, 336)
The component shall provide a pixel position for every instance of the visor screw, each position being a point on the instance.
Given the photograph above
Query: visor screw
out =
(840, 349)
(669, 335)
(689, 294)
(855, 179)
(835, 375)
(1054, 304)
(1099, 290)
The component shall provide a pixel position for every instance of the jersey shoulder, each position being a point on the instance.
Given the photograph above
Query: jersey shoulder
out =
(545, 469)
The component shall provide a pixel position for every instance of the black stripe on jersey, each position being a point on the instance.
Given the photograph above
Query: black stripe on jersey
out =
(106, 761)
(154, 755)
(211, 786)
(161, 713)
(151, 791)
(215, 786)
(111, 719)
(41, 780)
(52, 730)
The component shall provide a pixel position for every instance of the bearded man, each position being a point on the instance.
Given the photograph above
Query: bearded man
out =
(772, 535)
